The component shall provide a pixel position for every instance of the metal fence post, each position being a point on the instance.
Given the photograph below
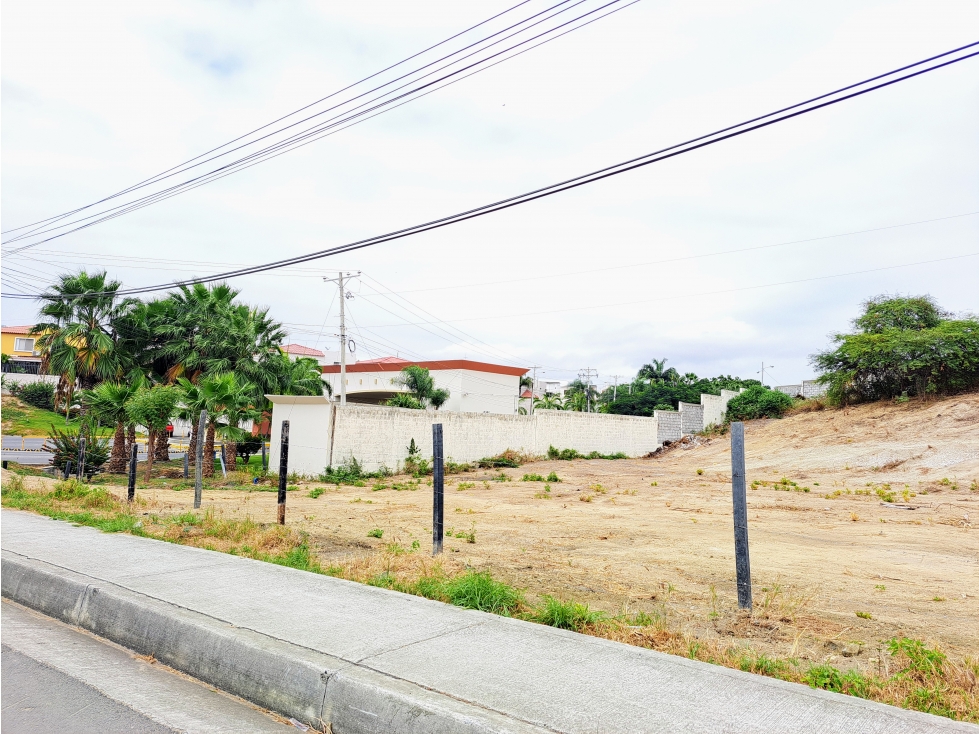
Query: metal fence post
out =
(133, 459)
(283, 472)
(81, 459)
(199, 460)
(186, 463)
(67, 470)
(265, 463)
(438, 487)
(740, 515)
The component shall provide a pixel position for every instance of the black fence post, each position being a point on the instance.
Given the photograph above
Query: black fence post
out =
(80, 469)
(133, 459)
(199, 461)
(67, 471)
(283, 472)
(739, 493)
(265, 463)
(438, 487)
(186, 463)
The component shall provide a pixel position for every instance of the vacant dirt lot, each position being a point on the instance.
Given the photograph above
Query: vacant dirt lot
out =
(655, 535)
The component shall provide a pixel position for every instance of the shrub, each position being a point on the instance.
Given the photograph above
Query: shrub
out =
(64, 447)
(758, 402)
(404, 400)
(903, 346)
(38, 394)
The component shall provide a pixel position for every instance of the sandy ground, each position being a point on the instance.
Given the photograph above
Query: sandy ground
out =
(657, 536)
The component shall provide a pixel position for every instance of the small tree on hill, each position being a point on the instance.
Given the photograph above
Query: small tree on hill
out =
(903, 345)
(153, 407)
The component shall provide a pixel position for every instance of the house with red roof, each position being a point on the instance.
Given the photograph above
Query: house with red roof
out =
(474, 387)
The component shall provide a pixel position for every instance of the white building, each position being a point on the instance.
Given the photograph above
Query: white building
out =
(474, 387)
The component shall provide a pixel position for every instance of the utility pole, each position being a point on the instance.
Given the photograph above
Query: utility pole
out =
(343, 332)
(586, 376)
(763, 368)
(615, 386)
(533, 386)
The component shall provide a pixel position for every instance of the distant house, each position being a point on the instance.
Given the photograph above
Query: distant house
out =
(474, 387)
(20, 349)
(295, 351)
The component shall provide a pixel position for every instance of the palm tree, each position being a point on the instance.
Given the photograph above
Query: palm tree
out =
(192, 402)
(238, 407)
(576, 401)
(654, 371)
(550, 401)
(225, 398)
(438, 397)
(107, 402)
(77, 330)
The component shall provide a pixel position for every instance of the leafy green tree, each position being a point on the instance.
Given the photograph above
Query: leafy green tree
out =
(153, 407)
(894, 312)
(76, 332)
(108, 402)
(903, 345)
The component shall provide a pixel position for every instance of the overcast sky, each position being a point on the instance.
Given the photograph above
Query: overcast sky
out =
(100, 95)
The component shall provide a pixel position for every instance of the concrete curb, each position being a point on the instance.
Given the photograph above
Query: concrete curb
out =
(321, 688)
(366, 659)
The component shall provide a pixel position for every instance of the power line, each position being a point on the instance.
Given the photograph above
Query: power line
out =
(705, 293)
(279, 119)
(592, 177)
(311, 134)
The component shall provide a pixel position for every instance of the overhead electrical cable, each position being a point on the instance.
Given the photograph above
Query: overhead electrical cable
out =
(279, 119)
(802, 108)
(524, 314)
(321, 129)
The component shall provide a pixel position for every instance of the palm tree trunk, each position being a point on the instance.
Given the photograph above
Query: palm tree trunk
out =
(117, 460)
(162, 448)
(231, 454)
(208, 467)
(130, 437)
(192, 445)
(150, 446)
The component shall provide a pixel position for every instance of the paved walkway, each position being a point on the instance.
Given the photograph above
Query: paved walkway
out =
(368, 659)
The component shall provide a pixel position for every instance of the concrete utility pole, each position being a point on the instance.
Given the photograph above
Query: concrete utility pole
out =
(763, 368)
(586, 376)
(343, 333)
(533, 387)
(615, 386)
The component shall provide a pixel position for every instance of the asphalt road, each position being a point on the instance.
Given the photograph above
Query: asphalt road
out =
(27, 451)
(37, 698)
(59, 679)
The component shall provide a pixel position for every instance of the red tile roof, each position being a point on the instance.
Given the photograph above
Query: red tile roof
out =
(301, 350)
(395, 364)
(17, 329)
(526, 394)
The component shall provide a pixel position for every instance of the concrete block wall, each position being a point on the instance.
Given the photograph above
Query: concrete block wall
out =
(669, 425)
(714, 407)
(813, 389)
(790, 390)
(324, 434)
(691, 417)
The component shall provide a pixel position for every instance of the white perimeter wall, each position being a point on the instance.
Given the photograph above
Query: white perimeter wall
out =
(322, 434)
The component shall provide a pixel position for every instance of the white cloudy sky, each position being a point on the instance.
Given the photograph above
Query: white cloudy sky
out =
(100, 95)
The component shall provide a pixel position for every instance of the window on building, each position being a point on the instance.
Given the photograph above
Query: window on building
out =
(23, 345)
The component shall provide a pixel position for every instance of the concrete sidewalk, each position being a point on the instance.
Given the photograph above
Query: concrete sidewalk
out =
(363, 659)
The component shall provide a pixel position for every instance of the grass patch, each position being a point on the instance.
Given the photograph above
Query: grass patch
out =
(375, 533)
(571, 454)
(569, 615)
